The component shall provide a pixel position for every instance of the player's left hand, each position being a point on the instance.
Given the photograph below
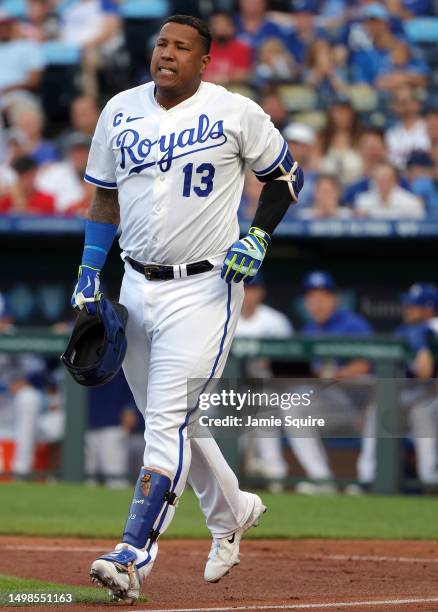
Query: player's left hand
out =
(244, 257)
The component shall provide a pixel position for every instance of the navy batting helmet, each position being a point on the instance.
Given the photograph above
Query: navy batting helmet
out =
(97, 345)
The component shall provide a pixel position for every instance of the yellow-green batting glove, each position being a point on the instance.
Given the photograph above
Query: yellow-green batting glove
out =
(244, 257)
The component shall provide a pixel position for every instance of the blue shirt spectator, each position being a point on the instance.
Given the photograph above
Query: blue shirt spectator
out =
(305, 30)
(254, 38)
(403, 65)
(45, 152)
(421, 180)
(372, 43)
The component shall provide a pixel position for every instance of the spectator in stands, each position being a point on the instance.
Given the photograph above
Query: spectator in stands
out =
(21, 62)
(95, 27)
(431, 116)
(273, 106)
(305, 30)
(302, 143)
(106, 451)
(410, 132)
(84, 114)
(231, 58)
(400, 68)
(326, 70)
(327, 318)
(274, 62)
(372, 149)
(339, 142)
(418, 396)
(386, 199)
(41, 22)
(327, 201)
(65, 179)
(378, 42)
(421, 181)
(252, 24)
(257, 320)
(8, 180)
(28, 119)
(17, 144)
(27, 199)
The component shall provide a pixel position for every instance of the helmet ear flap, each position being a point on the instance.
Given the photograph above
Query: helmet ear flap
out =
(97, 345)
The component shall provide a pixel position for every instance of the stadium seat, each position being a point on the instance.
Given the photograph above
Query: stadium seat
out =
(243, 89)
(316, 119)
(57, 53)
(298, 98)
(144, 9)
(15, 8)
(363, 98)
(422, 29)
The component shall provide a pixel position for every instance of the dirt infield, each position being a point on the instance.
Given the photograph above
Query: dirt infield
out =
(273, 574)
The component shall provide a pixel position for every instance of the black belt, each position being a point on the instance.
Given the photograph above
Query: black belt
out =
(156, 272)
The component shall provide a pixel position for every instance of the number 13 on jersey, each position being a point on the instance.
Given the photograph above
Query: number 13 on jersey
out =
(206, 172)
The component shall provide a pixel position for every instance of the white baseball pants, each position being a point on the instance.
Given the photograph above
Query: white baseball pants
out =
(180, 329)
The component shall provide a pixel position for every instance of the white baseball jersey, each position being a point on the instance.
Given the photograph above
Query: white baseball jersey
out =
(180, 173)
(266, 322)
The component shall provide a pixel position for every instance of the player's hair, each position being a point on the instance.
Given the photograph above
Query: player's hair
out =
(200, 26)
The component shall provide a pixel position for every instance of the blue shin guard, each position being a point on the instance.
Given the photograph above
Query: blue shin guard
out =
(151, 495)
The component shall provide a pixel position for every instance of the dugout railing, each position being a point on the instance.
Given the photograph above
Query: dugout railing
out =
(388, 356)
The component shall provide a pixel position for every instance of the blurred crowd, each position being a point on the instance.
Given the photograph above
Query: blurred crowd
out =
(353, 86)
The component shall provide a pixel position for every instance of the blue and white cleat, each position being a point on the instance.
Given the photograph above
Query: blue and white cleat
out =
(117, 571)
(224, 553)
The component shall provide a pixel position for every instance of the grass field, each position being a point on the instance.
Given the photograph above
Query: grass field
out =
(11, 585)
(73, 510)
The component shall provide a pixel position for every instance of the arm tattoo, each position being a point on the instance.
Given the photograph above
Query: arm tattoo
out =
(105, 206)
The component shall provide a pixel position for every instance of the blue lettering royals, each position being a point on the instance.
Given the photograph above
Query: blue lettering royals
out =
(171, 146)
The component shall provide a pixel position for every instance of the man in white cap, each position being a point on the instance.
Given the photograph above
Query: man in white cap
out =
(302, 139)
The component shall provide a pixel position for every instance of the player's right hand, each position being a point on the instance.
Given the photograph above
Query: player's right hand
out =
(86, 293)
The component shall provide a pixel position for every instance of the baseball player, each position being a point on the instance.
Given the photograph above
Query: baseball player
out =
(418, 397)
(328, 318)
(168, 160)
(258, 320)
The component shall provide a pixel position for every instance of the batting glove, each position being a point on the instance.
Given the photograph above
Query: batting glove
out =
(86, 293)
(244, 257)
